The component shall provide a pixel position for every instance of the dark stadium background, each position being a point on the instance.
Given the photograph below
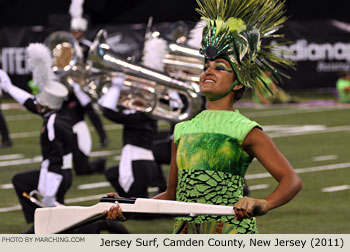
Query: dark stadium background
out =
(39, 12)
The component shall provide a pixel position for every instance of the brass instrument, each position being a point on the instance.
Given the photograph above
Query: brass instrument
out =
(144, 89)
(68, 62)
(183, 62)
(148, 90)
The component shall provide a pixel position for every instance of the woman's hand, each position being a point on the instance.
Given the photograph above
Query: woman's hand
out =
(115, 212)
(250, 207)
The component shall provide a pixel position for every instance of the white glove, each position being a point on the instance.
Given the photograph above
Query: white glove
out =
(175, 100)
(49, 201)
(118, 80)
(110, 99)
(82, 97)
(5, 82)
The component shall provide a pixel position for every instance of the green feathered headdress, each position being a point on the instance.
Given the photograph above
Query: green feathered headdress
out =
(234, 31)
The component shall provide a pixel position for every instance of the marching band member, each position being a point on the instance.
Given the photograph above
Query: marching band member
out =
(80, 103)
(5, 138)
(54, 178)
(137, 168)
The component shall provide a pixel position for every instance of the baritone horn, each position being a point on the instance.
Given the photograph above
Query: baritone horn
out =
(147, 90)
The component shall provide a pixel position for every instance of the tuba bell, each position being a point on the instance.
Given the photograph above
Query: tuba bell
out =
(146, 90)
(68, 62)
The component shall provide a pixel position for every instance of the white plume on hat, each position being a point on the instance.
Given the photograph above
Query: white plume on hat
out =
(51, 93)
(76, 13)
(195, 36)
(40, 63)
(154, 52)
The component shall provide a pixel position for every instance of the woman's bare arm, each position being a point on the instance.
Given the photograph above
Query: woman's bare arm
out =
(259, 145)
(170, 193)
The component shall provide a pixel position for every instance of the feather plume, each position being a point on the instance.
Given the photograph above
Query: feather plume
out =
(76, 13)
(195, 36)
(154, 52)
(76, 8)
(235, 29)
(40, 63)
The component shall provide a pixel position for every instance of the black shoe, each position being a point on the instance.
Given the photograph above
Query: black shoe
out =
(7, 143)
(30, 230)
(98, 165)
(104, 143)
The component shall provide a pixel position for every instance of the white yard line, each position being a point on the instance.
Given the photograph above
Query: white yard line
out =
(11, 156)
(258, 187)
(73, 200)
(291, 111)
(10, 209)
(82, 199)
(336, 188)
(105, 153)
(303, 170)
(324, 158)
(38, 159)
(22, 117)
(6, 186)
(94, 185)
(24, 134)
(309, 132)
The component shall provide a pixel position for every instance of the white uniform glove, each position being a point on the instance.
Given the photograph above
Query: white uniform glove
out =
(5, 82)
(49, 201)
(110, 99)
(118, 80)
(17, 93)
(82, 97)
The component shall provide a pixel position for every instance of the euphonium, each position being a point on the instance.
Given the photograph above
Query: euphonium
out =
(148, 89)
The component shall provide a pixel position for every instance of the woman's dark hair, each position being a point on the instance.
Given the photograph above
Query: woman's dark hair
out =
(239, 94)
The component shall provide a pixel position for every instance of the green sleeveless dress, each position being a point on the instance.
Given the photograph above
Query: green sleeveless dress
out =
(211, 167)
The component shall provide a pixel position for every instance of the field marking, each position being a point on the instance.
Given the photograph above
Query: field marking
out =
(6, 186)
(11, 156)
(73, 200)
(37, 133)
(24, 134)
(302, 170)
(82, 199)
(10, 209)
(38, 159)
(324, 158)
(104, 153)
(258, 187)
(309, 131)
(291, 111)
(22, 117)
(336, 188)
(94, 185)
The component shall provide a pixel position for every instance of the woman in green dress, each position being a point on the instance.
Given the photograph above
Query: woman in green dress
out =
(211, 152)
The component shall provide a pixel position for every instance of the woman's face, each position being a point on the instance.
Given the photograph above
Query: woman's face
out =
(217, 77)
